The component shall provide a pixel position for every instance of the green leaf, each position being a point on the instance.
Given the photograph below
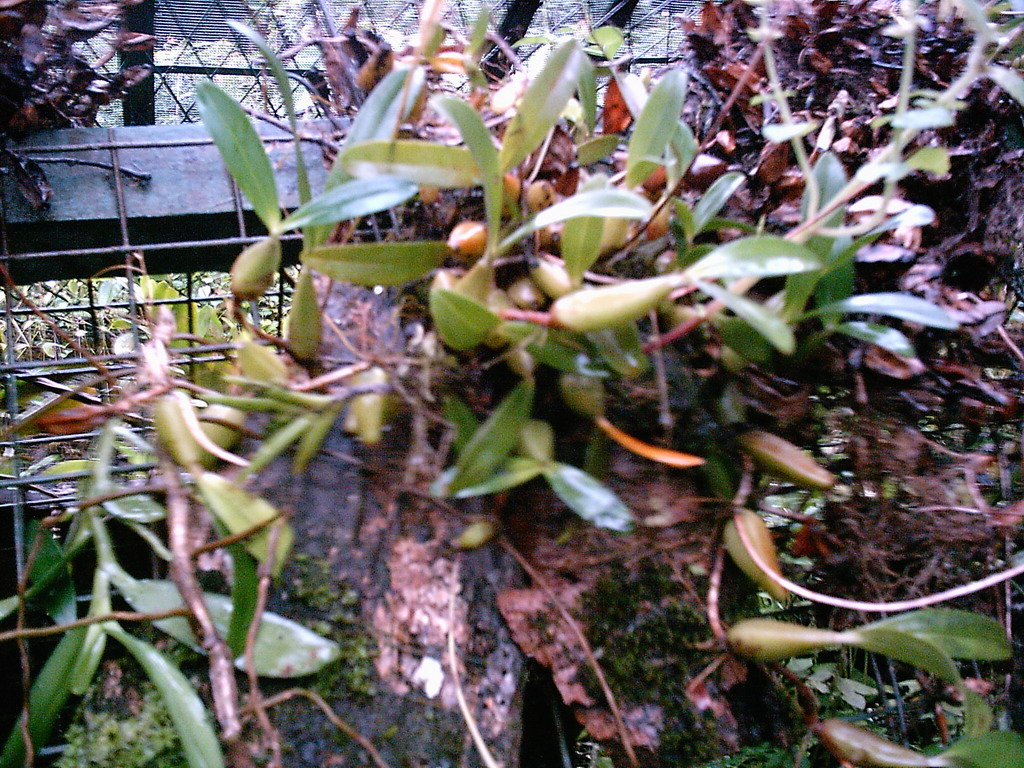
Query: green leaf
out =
(349, 200)
(960, 634)
(899, 305)
(49, 693)
(588, 498)
(283, 647)
(198, 739)
(712, 201)
(514, 472)
(998, 749)
(494, 440)
(608, 40)
(284, 87)
(654, 127)
(906, 648)
(762, 320)
(478, 140)
(244, 587)
(238, 511)
(8, 606)
(684, 148)
(461, 322)
(421, 162)
(139, 509)
(58, 599)
(598, 148)
(371, 264)
(739, 336)
(621, 349)
(542, 104)
(759, 256)
(1007, 79)
(458, 414)
(924, 119)
(832, 179)
(241, 149)
(880, 335)
(606, 203)
(934, 160)
(781, 132)
(586, 91)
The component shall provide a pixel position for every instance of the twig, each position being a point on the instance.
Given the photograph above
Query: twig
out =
(284, 126)
(745, 78)
(881, 607)
(234, 538)
(714, 590)
(1010, 344)
(329, 713)
(222, 674)
(139, 175)
(58, 629)
(588, 652)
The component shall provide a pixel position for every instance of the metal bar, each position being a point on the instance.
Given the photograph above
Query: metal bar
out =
(149, 247)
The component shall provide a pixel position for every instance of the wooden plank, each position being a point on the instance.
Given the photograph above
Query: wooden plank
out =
(188, 198)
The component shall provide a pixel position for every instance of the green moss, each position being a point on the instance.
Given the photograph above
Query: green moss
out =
(338, 607)
(142, 736)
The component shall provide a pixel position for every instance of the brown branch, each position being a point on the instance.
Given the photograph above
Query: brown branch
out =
(57, 629)
(222, 674)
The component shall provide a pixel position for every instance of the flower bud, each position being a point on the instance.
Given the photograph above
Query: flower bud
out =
(525, 294)
(780, 457)
(769, 640)
(551, 278)
(540, 195)
(760, 539)
(254, 268)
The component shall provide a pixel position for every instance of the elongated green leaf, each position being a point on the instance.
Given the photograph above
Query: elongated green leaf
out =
(597, 148)
(243, 598)
(241, 149)
(762, 320)
(586, 92)
(759, 256)
(284, 87)
(95, 636)
(371, 264)
(458, 414)
(514, 472)
(588, 497)
(461, 322)
(621, 349)
(712, 201)
(960, 634)
(494, 440)
(198, 739)
(478, 140)
(238, 510)
(923, 119)
(998, 749)
(780, 132)
(899, 305)
(880, 335)
(542, 104)
(606, 203)
(8, 606)
(1008, 80)
(349, 200)
(283, 647)
(906, 648)
(59, 598)
(421, 162)
(139, 509)
(49, 693)
(654, 127)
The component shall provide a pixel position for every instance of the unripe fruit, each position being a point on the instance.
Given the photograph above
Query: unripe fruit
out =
(540, 195)
(780, 457)
(521, 362)
(221, 423)
(525, 294)
(658, 226)
(254, 269)
(261, 363)
(468, 240)
(476, 535)
(592, 309)
(615, 234)
(769, 640)
(760, 538)
(545, 238)
(304, 322)
(367, 413)
(551, 278)
(511, 188)
(172, 432)
(584, 394)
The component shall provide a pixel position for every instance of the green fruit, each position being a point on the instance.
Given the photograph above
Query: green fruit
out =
(769, 640)
(254, 268)
(859, 747)
(780, 457)
(761, 540)
(593, 309)
(584, 394)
